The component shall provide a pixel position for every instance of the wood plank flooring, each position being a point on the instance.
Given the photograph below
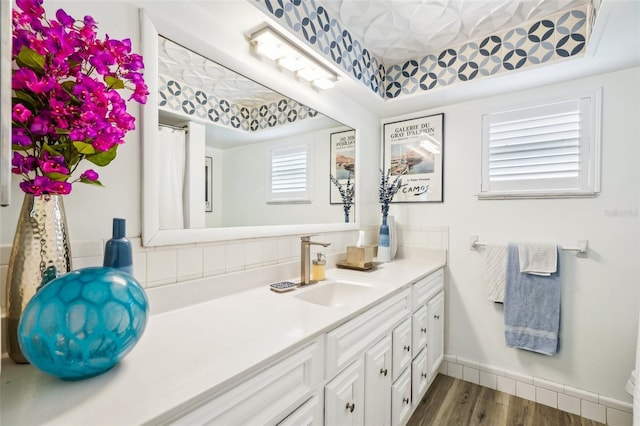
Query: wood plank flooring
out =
(451, 401)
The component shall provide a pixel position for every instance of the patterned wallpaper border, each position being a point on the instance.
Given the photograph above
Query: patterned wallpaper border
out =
(559, 37)
(179, 97)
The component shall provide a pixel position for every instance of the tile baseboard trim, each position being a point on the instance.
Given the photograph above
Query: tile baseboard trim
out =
(600, 410)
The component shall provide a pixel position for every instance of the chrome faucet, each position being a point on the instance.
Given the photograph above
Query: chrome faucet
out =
(305, 258)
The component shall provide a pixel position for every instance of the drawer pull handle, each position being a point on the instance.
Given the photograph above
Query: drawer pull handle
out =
(407, 348)
(424, 330)
(384, 371)
(405, 400)
(424, 375)
(351, 406)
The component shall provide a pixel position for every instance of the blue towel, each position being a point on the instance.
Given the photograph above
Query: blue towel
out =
(531, 308)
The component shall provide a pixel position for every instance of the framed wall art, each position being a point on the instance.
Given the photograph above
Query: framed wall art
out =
(343, 161)
(414, 149)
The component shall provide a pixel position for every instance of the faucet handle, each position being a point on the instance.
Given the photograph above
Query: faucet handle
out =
(307, 237)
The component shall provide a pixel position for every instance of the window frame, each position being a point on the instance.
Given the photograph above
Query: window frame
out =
(590, 149)
(291, 197)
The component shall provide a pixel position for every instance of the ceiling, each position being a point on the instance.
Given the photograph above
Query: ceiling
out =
(398, 30)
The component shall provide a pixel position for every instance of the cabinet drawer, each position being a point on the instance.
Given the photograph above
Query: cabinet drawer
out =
(419, 325)
(419, 376)
(401, 340)
(425, 288)
(266, 398)
(352, 338)
(401, 400)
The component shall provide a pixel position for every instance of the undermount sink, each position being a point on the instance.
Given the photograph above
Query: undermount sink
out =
(335, 294)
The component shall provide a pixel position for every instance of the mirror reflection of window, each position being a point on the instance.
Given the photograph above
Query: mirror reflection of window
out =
(244, 123)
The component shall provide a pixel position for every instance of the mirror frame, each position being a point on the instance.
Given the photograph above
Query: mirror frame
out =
(5, 102)
(152, 235)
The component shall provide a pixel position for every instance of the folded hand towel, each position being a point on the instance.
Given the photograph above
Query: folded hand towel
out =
(531, 308)
(538, 259)
(495, 269)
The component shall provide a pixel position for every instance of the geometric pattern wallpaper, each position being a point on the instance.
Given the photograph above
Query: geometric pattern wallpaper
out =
(560, 36)
(179, 97)
(311, 23)
(546, 40)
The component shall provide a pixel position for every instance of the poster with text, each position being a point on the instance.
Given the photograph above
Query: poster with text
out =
(414, 150)
(343, 161)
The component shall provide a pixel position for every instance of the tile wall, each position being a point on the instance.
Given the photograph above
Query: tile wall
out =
(566, 398)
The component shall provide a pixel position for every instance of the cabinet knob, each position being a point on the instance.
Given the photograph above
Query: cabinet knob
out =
(424, 330)
(424, 375)
(405, 400)
(407, 348)
(351, 406)
(436, 316)
(384, 371)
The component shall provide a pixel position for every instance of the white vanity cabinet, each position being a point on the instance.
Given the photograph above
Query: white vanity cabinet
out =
(377, 382)
(427, 321)
(267, 398)
(344, 397)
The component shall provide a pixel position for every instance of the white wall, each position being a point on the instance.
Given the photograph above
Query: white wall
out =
(600, 293)
(245, 183)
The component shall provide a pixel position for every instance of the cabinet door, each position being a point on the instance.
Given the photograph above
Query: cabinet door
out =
(401, 400)
(401, 347)
(419, 329)
(344, 397)
(419, 377)
(435, 333)
(377, 383)
(309, 414)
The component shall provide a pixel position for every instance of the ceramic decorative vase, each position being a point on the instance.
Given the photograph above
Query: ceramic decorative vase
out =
(82, 323)
(41, 243)
(384, 249)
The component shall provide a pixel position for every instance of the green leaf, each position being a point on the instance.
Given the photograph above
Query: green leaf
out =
(62, 131)
(50, 149)
(31, 59)
(113, 82)
(103, 158)
(57, 176)
(68, 85)
(91, 182)
(25, 99)
(84, 148)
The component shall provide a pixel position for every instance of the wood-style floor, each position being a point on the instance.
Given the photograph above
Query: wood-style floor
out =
(450, 401)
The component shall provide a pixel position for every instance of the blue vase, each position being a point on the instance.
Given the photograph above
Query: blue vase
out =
(82, 323)
(117, 251)
(384, 251)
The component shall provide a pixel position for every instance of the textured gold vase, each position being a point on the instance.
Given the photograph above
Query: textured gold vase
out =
(41, 241)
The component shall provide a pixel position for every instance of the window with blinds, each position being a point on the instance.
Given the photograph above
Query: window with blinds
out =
(542, 151)
(289, 177)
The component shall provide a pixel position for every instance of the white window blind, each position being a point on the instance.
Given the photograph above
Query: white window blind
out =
(289, 177)
(542, 151)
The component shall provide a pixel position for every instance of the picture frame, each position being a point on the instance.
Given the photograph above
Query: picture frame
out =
(208, 184)
(414, 148)
(342, 160)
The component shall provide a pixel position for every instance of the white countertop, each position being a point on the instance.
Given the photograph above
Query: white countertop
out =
(195, 350)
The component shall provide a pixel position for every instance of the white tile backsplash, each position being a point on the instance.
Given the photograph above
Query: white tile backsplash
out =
(470, 374)
(455, 370)
(235, 257)
(488, 380)
(285, 249)
(190, 264)
(214, 259)
(162, 266)
(253, 254)
(269, 251)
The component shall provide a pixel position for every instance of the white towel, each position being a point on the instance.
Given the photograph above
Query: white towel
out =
(538, 259)
(495, 270)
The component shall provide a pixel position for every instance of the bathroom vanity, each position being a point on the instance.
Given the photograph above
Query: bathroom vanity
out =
(357, 348)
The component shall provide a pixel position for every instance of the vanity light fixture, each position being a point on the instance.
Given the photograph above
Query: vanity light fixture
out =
(271, 44)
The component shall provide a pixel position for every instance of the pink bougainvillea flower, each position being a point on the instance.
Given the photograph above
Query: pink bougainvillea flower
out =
(20, 113)
(67, 85)
(89, 175)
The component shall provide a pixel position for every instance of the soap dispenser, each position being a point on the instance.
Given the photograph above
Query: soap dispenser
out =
(117, 251)
(317, 271)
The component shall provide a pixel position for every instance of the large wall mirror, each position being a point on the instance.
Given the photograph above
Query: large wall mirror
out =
(210, 136)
